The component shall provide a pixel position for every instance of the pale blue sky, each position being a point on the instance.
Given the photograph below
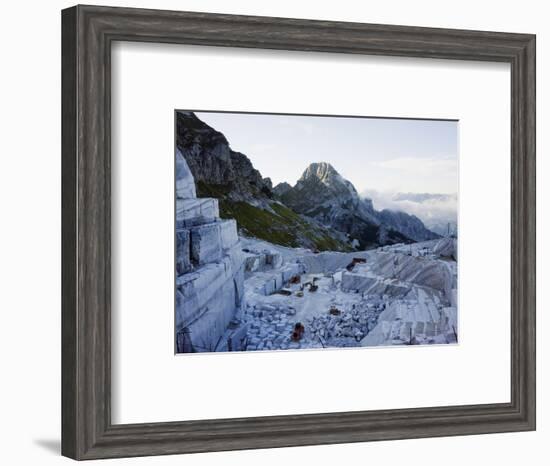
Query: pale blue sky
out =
(390, 155)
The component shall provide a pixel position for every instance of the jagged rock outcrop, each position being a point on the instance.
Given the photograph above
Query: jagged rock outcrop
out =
(322, 193)
(209, 272)
(215, 166)
(281, 188)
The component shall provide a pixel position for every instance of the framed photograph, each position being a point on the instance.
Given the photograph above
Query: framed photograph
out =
(264, 264)
(282, 232)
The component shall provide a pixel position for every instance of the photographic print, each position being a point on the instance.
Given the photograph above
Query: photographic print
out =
(313, 231)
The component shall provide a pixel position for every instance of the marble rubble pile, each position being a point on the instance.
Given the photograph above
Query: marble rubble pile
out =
(348, 328)
(209, 272)
(270, 327)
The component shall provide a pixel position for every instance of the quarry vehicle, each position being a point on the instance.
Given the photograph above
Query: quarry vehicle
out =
(298, 331)
(354, 262)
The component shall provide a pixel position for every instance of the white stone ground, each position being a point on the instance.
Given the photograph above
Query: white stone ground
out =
(402, 294)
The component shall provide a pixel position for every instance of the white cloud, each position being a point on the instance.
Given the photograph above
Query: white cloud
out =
(435, 210)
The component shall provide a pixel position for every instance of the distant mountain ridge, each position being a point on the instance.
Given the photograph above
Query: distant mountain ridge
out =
(323, 194)
(437, 211)
(322, 211)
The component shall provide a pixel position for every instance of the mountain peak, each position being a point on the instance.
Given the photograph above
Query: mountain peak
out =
(323, 171)
(323, 178)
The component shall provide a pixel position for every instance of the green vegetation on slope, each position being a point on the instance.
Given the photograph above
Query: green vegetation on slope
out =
(219, 191)
(283, 227)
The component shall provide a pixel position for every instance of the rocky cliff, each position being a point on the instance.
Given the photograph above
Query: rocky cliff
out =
(215, 166)
(323, 211)
(243, 194)
(323, 194)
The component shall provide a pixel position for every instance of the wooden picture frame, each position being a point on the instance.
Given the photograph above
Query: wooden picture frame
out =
(87, 35)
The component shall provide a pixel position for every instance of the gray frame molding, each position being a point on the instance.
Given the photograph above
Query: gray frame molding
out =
(87, 33)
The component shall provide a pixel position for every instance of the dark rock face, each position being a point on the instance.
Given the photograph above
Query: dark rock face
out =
(281, 188)
(213, 162)
(410, 225)
(323, 194)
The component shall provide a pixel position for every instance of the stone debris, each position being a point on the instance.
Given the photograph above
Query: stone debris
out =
(389, 298)
(270, 327)
(273, 327)
(348, 328)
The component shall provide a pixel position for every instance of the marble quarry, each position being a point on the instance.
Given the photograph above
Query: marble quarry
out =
(393, 295)
(210, 268)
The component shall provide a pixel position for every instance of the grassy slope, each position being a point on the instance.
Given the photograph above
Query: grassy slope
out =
(283, 226)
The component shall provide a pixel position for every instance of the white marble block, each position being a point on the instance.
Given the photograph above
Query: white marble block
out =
(185, 183)
(183, 251)
(357, 282)
(228, 233)
(291, 270)
(191, 212)
(210, 272)
(252, 263)
(206, 243)
(199, 288)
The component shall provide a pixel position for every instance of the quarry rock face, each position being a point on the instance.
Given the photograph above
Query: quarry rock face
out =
(446, 247)
(196, 211)
(185, 184)
(209, 272)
